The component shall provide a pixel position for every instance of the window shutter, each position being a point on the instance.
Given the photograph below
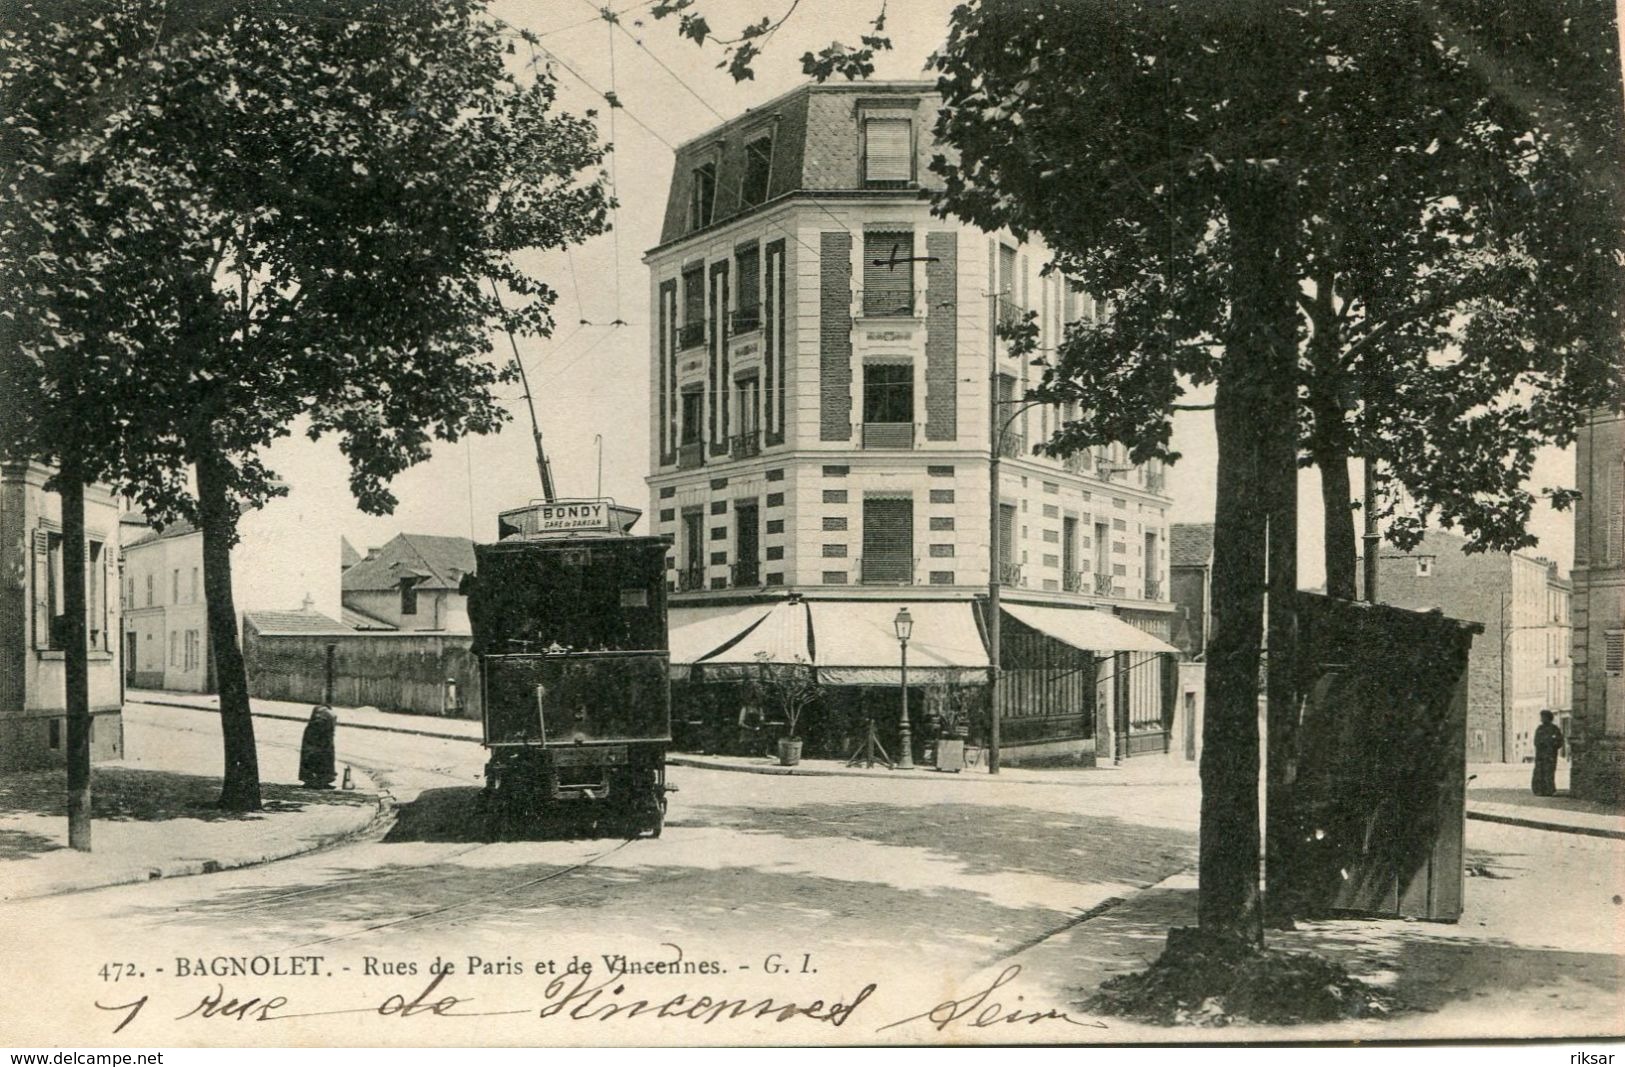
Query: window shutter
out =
(1616, 513)
(109, 595)
(887, 150)
(42, 589)
(888, 273)
(888, 528)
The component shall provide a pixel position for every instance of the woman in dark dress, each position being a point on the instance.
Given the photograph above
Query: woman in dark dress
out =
(1548, 743)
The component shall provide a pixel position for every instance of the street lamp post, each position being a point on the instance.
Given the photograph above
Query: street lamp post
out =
(904, 625)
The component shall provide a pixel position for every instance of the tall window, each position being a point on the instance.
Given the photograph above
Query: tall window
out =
(888, 392)
(194, 585)
(888, 273)
(702, 195)
(55, 591)
(888, 539)
(692, 332)
(888, 150)
(149, 590)
(95, 595)
(1007, 542)
(758, 171)
(1153, 571)
(693, 549)
(1069, 548)
(693, 400)
(749, 315)
(175, 586)
(409, 596)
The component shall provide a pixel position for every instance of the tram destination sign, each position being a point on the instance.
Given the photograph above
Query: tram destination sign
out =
(563, 516)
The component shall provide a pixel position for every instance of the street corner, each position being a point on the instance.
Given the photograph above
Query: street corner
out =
(149, 823)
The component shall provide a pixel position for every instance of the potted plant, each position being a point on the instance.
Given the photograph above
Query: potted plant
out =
(955, 724)
(791, 688)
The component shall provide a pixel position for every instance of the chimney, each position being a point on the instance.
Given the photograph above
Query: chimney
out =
(309, 603)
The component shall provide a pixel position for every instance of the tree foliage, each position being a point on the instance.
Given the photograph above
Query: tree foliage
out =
(1452, 172)
(224, 217)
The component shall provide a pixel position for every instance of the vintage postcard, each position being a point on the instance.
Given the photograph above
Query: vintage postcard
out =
(810, 523)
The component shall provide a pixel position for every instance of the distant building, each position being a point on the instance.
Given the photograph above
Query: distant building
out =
(1511, 595)
(409, 583)
(33, 728)
(1597, 734)
(166, 620)
(282, 561)
(1190, 577)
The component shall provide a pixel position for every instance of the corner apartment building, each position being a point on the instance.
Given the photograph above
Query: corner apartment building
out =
(1512, 594)
(828, 380)
(1597, 736)
(33, 658)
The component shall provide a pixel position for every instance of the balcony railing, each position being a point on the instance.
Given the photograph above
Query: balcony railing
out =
(888, 435)
(691, 454)
(1010, 574)
(1078, 463)
(745, 574)
(690, 579)
(887, 303)
(1010, 313)
(1075, 581)
(872, 571)
(1153, 589)
(1103, 585)
(747, 319)
(690, 335)
(745, 445)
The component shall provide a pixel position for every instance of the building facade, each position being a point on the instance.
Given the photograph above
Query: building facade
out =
(285, 560)
(166, 624)
(409, 583)
(33, 726)
(1597, 733)
(829, 383)
(1511, 594)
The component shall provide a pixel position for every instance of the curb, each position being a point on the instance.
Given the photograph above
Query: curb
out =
(701, 763)
(296, 718)
(1537, 824)
(383, 813)
(930, 774)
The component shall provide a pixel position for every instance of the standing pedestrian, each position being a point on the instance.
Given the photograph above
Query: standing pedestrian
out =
(1548, 743)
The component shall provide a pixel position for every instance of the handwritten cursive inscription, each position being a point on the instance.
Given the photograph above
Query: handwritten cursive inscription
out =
(568, 999)
(979, 1010)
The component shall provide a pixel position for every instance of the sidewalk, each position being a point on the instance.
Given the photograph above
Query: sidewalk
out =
(1499, 792)
(153, 816)
(1495, 793)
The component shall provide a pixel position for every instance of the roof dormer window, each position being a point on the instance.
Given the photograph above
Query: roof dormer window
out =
(702, 196)
(888, 150)
(758, 170)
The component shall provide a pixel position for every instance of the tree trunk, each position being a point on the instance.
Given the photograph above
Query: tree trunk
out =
(218, 517)
(1257, 377)
(1281, 835)
(76, 661)
(1331, 452)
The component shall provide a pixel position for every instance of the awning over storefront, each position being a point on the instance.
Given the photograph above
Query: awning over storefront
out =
(780, 637)
(696, 632)
(1092, 631)
(856, 642)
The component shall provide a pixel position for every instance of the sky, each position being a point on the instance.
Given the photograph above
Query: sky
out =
(590, 380)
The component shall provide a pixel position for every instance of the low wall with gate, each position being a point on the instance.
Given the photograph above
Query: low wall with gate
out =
(404, 672)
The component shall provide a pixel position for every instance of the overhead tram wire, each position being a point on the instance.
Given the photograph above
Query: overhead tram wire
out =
(614, 198)
(616, 24)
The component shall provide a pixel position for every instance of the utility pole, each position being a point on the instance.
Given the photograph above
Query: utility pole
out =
(995, 436)
(1372, 537)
